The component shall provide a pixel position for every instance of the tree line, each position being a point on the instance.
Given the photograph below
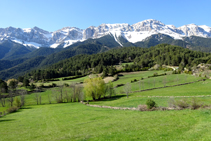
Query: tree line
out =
(142, 58)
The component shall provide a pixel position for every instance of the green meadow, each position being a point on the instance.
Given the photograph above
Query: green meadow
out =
(75, 121)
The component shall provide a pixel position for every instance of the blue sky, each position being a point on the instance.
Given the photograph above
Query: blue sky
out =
(52, 15)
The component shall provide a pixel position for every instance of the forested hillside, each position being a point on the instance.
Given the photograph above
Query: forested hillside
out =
(143, 59)
(42, 61)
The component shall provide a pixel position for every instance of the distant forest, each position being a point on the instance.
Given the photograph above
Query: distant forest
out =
(142, 58)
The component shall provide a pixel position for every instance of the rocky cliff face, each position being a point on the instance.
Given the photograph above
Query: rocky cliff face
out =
(37, 37)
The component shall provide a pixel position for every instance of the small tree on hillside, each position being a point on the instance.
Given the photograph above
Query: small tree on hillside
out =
(94, 87)
(60, 91)
(22, 97)
(10, 99)
(37, 96)
(26, 82)
(13, 83)
(2, 99)
(3, 86)
(110, 88)
(127, 89)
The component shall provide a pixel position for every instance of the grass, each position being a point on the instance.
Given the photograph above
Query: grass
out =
(194, 89)
(78, 80)
(153, 82)
(74, 121)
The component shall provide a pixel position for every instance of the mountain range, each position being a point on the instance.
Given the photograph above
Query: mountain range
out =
(138, 32)
(23, 50)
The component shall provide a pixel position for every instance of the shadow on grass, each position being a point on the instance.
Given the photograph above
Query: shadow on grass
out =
(112, 98)
(4, 120)
(26, 108)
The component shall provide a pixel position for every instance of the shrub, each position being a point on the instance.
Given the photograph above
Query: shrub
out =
(172, 103)
(182, 104)
(134, 80)
(150, 104)
(32, 87)
(163, 108)
(155, 74)
(17, 102)
(59, 100)
(53, 84)
(66, 85)
(12, 109)
(194, 104)
(142, 107)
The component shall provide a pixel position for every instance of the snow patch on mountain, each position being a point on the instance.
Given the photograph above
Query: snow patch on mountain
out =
(37, 37)
(29, 44)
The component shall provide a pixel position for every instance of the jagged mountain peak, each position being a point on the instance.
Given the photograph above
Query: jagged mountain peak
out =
(69, 35)
(40, 30)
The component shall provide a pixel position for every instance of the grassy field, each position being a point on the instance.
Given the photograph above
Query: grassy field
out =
(74, 121)
(78, 80)
(195, 89)
(153, 82)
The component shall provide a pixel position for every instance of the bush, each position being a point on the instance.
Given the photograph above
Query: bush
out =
(150, 104)
(182, 104)
(42, 86)
(32, 87)
(194, 104)
(134, 80)
(142, 107)
(12, 109)
(155, 74)
(53, 84)
(66, 85)
(17, 102)
(172, 103)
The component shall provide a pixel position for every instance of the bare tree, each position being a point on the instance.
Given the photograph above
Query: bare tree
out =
(49, 98)
(206, 73)
(22, 97)
(37, 95)
(11, 94)
(55, 95)
(79, 93)
(67, 95)
(73, 85)
(127, 89)
(60, 91)
(2, 99)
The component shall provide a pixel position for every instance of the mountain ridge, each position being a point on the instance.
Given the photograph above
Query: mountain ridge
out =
(37, 37)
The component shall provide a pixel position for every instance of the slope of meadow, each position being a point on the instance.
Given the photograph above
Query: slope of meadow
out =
(74, 121)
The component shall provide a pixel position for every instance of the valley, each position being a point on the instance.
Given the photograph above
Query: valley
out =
(105, 85)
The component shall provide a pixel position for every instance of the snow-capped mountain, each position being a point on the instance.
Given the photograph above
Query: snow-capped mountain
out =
(36, 37)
